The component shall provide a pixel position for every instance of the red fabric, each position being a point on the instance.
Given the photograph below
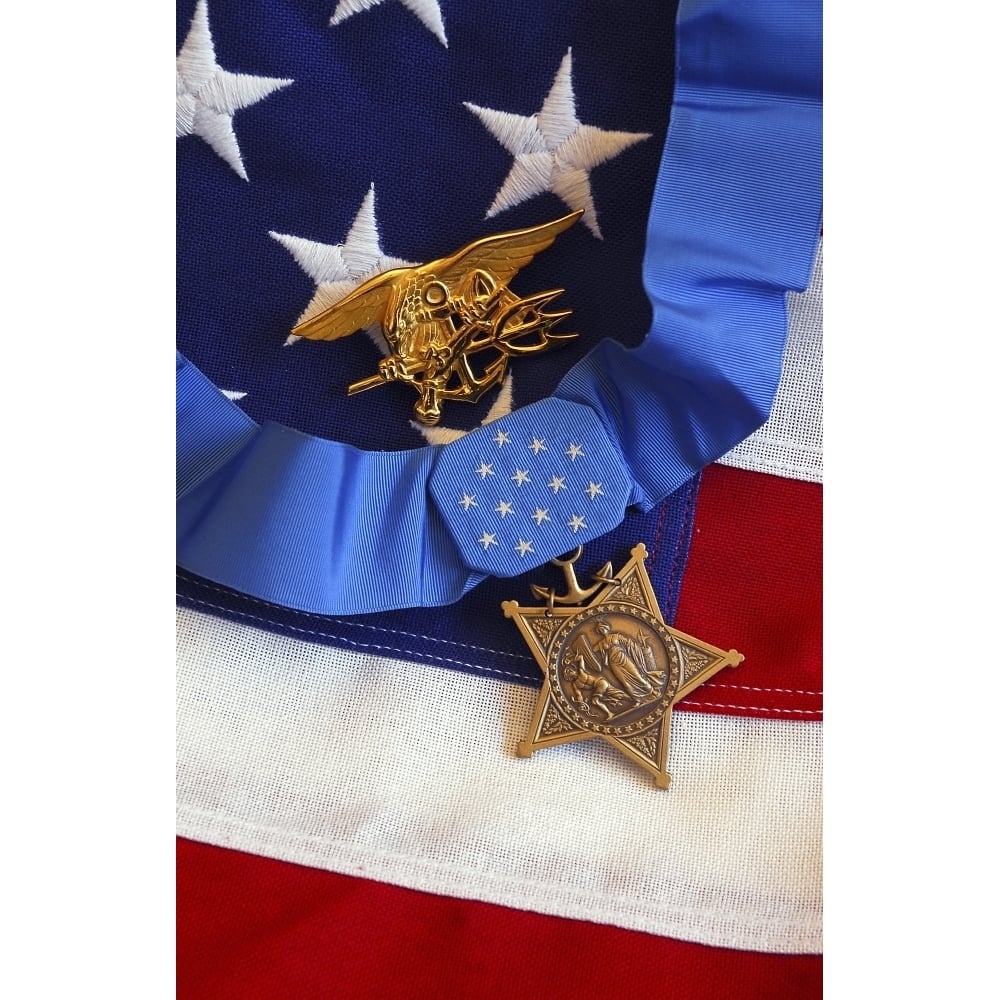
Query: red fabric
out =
(754, 582)
(251, 928)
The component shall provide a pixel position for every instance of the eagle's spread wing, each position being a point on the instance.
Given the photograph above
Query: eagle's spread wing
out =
(365, 306)
(502, 255)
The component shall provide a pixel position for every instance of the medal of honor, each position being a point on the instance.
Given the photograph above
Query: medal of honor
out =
(613, 669)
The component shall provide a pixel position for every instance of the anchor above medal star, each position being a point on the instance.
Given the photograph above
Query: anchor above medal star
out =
(437, 317)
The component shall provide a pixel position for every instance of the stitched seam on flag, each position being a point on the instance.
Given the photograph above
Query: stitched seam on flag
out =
(485, 649)
(372, 628)
(681, 535)
(358, 645)
(673, 583)
(765, 465)
(790, 445)
(754, 708)
(746, 687)
(558, 887)
(658, 539)
(684, 533)
(431, 638)
(767, 460)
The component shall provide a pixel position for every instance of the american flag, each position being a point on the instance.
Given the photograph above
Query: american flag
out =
(320, 144)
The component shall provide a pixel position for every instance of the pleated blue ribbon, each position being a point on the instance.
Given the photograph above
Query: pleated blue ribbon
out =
(293, 519)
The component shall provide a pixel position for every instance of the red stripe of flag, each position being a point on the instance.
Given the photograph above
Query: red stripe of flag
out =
(754, 582)
(251, 928)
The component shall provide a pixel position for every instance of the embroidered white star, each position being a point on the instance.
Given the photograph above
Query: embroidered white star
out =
(557, 483)
(428, 11)
(233, 394)
(594, 489)
(485, 469)
(208, 96)
(575, 451)
(523, 547)
(520, 477)
(502, 438)
(537, 445)
(487, 540)
(576, 523)
(541, 515)
(552, 150)
(337, 269)
(468, 501)
(503, 508)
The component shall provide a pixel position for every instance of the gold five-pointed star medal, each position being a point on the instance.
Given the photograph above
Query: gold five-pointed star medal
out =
(613, 668)
(438, 317)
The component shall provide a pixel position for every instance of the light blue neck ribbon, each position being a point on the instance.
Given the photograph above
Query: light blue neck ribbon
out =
(299, 521)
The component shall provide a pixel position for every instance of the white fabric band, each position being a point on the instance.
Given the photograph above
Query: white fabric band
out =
(406, 774)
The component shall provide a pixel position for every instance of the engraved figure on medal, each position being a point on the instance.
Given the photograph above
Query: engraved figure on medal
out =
(613, 670)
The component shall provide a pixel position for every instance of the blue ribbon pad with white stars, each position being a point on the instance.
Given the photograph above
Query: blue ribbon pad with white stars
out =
(518, 491)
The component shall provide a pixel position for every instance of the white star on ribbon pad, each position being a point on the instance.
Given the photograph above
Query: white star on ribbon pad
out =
(534, 503)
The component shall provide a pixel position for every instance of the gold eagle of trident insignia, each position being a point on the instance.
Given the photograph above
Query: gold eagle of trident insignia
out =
(437, 317)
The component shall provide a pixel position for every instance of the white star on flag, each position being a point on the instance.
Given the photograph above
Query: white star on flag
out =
(575, 451)
(339, 268)
(537, 445)
(208, 96)
(520, 477)
(468, 501)
(504, 508)
(487, 540)
(576, 523)
(428, 11)
(557, 483)
(552, 150)
(502, 438)
(594, 489)
(485, 469)
(541, 515)
(523, 547)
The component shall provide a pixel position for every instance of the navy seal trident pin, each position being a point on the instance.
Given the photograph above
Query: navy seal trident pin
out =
(453, 324)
